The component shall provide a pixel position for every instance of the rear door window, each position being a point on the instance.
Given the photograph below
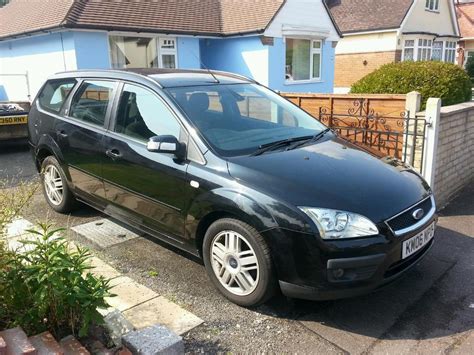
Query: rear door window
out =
(54, 94)
(91, 101)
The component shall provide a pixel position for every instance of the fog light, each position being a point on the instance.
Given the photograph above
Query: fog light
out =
(338, 273)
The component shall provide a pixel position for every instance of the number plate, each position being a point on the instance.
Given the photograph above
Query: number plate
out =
(412, 245)
(12, 120)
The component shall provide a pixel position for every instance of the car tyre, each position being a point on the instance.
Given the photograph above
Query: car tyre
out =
(55, 188)
(238, 262)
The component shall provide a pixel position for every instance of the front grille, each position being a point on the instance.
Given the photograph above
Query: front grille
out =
(401, 265)
(406, 219)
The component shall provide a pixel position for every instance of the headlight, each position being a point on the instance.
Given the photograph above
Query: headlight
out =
(333, 224)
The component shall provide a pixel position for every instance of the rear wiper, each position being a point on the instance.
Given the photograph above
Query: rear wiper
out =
(273, 145)
(313, 139)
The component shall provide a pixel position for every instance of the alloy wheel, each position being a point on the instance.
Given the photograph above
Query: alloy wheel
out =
(234, 263)
(53, 185)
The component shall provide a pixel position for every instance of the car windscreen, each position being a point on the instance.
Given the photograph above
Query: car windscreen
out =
(237, 119)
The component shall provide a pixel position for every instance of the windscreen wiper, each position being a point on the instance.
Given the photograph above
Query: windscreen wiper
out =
(313, 139)
(274, 145)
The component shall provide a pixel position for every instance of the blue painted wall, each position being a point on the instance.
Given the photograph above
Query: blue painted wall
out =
(230, 55)
(277, 70)
(188, 53)
(244, 55)
(40, 56)
(92, 50)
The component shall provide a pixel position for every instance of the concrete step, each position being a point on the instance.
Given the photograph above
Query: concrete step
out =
(45, 344)
(71, 346)
(17, 342)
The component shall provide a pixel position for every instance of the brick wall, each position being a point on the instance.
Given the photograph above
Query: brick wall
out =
(350, 67)
(455, 151)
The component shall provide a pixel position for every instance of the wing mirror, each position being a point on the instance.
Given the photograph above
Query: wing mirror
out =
(166, 144)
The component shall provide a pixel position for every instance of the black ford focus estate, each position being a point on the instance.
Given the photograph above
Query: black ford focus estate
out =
(226, 169)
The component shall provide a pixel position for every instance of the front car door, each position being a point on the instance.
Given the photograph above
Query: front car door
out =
(146, 188)
(80, 137)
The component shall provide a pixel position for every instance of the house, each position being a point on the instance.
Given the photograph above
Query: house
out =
(377, 32)
(465, 13)
(287, 45)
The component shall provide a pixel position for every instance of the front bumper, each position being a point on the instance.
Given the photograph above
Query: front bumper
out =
(309, 268)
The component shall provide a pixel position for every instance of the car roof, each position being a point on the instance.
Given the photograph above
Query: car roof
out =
(165, 78)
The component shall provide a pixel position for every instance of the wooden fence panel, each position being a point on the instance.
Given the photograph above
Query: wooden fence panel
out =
(375, 121)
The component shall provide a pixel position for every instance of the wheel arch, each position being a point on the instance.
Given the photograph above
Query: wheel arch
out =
(46, 147)
(225, 203)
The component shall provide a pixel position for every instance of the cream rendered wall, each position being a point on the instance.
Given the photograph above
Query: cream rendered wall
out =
(364, 43)
(421, 20)
(469, 45)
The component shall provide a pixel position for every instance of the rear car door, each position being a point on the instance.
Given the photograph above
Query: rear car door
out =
(80, 137)
(145, 187)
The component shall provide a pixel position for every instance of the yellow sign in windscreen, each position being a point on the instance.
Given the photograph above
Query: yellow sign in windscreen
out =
(11, 120)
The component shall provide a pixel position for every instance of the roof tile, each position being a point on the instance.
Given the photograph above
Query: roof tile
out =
(211, 17)
(465, 13)
(368, 15)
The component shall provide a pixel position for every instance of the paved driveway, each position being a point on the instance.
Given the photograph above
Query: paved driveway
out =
(431, 310)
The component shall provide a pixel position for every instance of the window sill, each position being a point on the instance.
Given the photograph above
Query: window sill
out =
(434, 11)
(298, 82)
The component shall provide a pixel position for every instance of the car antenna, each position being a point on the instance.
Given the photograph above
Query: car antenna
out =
(205, 67)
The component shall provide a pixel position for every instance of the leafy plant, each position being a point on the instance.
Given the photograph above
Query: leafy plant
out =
(12, 202)
(47, 284)
(432, 79)
(470, 67)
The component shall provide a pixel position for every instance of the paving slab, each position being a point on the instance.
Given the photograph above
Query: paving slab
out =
(16, 243)
(355, 324)
(128, 293)
(101, 268)
(18, 227)
(153, 341)
(161, 310)
(104, 232)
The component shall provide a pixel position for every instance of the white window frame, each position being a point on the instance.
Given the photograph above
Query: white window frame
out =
(167, 51)
(422, 47)
(449, 51)
(417, 47)
(159, 41)
(312, 79)
(432, 5)
(443, 47)
(409, 47)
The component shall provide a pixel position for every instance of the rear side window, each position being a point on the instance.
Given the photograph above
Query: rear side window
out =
(54, 93)
(91, 100)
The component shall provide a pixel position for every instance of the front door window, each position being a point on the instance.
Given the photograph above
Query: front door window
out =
(141, 115)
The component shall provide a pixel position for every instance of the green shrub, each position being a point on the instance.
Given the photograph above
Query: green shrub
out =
(431, 79)
(470, 67)
(46, 285)
(13, 200)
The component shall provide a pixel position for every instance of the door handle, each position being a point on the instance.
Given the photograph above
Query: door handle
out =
(113, 153)
(61, 133)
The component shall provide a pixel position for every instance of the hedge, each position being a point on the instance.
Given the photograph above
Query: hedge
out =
(432, 79)
(470, 67)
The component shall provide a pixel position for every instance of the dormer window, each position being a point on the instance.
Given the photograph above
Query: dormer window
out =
(432, 5)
